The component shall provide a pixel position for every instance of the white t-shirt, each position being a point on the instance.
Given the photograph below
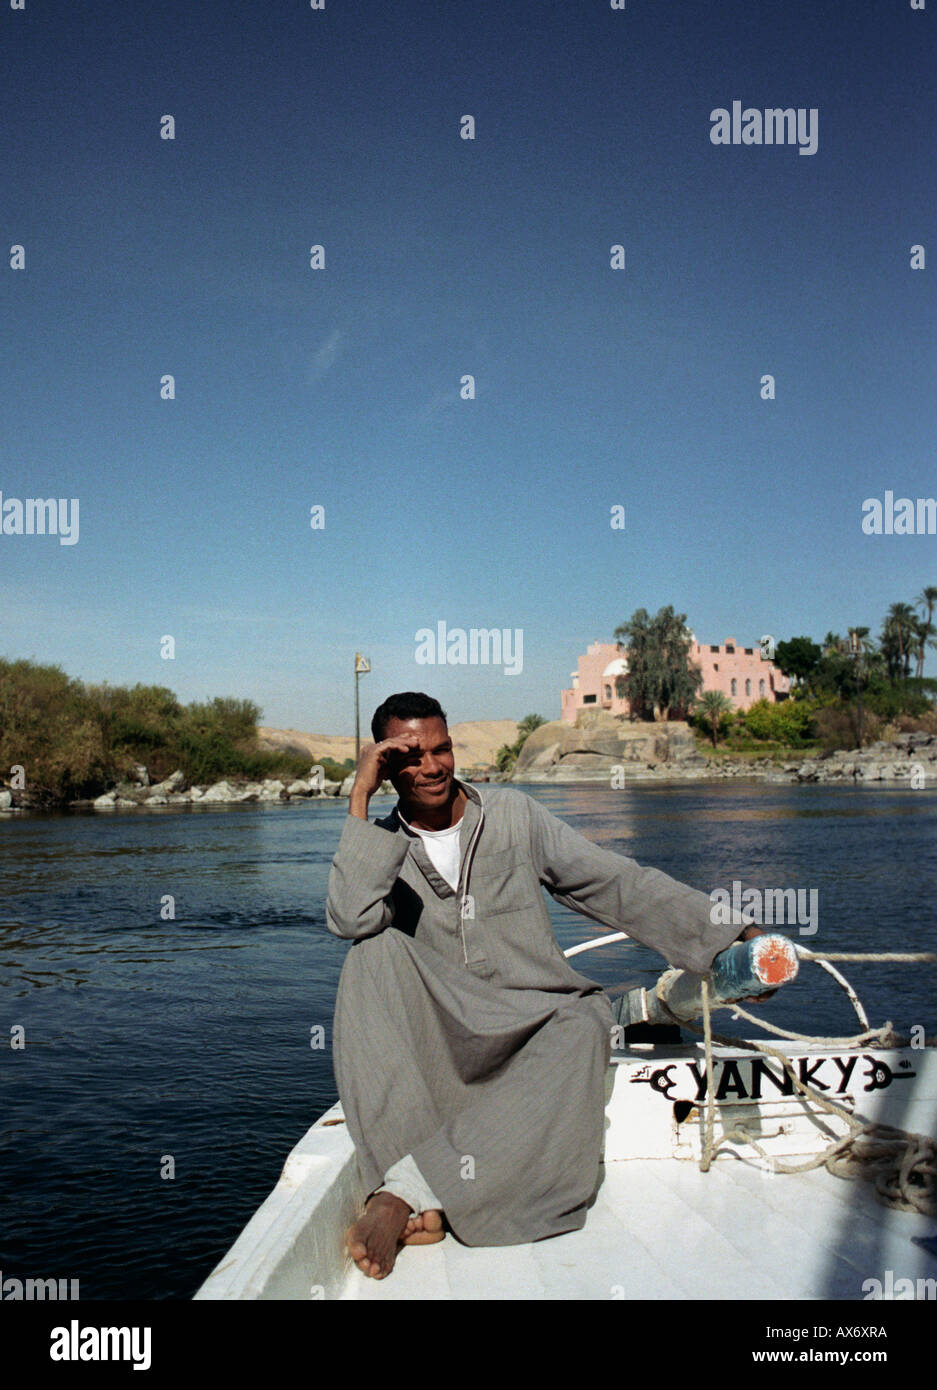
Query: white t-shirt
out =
(442, 847)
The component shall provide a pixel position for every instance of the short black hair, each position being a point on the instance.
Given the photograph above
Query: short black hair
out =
(409, 704)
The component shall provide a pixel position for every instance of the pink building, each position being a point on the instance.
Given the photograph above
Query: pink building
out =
(739, 672)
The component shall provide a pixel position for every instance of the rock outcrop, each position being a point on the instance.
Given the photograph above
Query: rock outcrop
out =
(175, 792)
(173, 784)
(598, 744)
(908, 758)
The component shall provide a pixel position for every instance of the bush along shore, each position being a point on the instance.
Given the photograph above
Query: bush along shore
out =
(65, 743)
(909, 759)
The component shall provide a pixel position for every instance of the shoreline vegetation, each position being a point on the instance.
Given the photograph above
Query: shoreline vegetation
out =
(67, 744)
(63, 742)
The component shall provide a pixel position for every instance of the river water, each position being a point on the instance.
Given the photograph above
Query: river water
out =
(170, 1063)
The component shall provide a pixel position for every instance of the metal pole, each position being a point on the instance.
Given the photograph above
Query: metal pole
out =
(855, 644)
(357, 727)
(362, 667)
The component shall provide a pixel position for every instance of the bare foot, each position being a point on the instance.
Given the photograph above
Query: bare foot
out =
(374, 1238)
(424, 1229)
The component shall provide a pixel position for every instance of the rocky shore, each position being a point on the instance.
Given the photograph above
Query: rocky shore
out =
(603, 749)
(908, 758)
(138, 793)
(175, 791)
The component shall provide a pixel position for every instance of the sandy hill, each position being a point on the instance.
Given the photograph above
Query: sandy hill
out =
(475, 743)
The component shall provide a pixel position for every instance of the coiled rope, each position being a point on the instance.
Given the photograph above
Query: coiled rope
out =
(901, 1164)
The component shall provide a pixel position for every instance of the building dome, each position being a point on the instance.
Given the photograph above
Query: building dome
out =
(618, 667)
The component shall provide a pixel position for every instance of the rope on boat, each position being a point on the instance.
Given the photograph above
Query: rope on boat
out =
(901, 1164)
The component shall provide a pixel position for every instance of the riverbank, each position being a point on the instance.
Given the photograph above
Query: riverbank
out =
(908, 760)
(175, 791)
(619, 753)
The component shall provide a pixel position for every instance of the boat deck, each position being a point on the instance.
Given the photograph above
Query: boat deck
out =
(661, 1229)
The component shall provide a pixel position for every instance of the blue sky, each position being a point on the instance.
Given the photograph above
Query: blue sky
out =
(341, 386)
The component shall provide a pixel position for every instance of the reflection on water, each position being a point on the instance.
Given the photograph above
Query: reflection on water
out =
(168, 970)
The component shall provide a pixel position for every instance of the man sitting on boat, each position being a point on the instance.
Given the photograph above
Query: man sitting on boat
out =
(470, 1057)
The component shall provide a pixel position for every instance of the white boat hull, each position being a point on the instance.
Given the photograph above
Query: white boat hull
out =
(660, 1228)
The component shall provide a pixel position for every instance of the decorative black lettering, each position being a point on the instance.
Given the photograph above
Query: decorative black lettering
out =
(760, 1068)
(731, 1080)
(808, 1072)
(699, 1076)
(845, 1071)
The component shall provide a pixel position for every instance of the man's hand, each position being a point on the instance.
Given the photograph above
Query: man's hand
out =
(376, 761)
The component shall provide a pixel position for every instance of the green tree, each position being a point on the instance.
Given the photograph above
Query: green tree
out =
(798, 659)
(790, 722)
(660, 675)
(506, 756)
(678, 679)
(49, 727)
(898, 639)
(927, 598)
(638, 684)
(527, 725)
(715, 707)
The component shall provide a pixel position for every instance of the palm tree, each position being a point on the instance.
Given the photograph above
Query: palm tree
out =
(860, 647)
(898, 636)
(922, 630)
(715, 706)
(865, 648)
(529, 723)
(927, 598)
(507, 754)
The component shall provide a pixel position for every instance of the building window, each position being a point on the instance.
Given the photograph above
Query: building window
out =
(714, 649)
(608, 692)
(588, 699)
(748, 687)
(761, 687)
(730, 651)
(715, 665)
(749, 651)
(734, 683)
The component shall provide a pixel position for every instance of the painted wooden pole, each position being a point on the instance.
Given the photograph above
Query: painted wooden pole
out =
(745, 969)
